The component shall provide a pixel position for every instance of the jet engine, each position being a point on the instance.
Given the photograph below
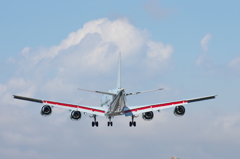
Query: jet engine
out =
(46, 110)
(179, 111)
(75, 115)
(148, 116)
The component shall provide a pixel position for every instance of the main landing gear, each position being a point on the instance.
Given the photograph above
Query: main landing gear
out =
(94, 123)
(132, 123)
(110, 123)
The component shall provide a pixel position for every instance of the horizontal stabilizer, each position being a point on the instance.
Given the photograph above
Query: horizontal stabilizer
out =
(143, 92)
(98, 92)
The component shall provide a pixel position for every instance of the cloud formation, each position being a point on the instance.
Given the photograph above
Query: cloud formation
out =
(205, 41)
(90, 51)
(234, 63)
(204, 59)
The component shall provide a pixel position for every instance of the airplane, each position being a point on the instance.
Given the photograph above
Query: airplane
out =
(113, 103)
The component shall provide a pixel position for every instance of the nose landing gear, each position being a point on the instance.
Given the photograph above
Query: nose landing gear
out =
(110, 123)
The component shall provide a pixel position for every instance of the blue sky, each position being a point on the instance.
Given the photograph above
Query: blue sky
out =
(49, 49)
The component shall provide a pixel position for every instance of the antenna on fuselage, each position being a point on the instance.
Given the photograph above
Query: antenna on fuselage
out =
(119, 72)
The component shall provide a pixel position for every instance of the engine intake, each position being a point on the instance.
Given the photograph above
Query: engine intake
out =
(148, 116)
(75, 115)
(46, 110)
(179, 111)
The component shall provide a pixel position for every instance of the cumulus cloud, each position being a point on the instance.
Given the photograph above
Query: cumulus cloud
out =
(90, 51)
(95, 46)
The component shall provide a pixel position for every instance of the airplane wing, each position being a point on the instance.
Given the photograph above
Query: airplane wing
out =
(87, 109)
(128, 111)
(143, 92)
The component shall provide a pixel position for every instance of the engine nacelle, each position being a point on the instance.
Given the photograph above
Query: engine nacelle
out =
(75, 115)
(46, 110)
(179, 110)
(148, 116)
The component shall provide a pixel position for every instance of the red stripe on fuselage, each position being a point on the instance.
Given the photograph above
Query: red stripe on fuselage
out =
(156, 106)
(73, 106)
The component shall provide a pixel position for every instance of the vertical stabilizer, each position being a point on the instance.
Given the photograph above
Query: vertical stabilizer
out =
(119, 72)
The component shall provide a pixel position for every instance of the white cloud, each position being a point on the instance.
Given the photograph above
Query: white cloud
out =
(234, 63)
(158, 54)
(205, 40)
(17, 83)
(204, 59)
(90, 51)
(95, 46)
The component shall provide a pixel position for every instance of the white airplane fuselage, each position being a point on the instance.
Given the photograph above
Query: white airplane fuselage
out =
(114, 104)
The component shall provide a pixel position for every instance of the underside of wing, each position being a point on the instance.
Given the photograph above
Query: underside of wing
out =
(135, 110)
(87, 109)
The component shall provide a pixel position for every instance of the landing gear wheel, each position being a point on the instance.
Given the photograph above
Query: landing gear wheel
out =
(110, 123)
(130, 124)
(134, 123)
(95, 122)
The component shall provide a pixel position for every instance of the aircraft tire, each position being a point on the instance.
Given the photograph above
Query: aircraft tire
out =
(134, 123)
(130, 124)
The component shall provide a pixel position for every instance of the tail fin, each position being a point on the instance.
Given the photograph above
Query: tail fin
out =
(119, 72)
